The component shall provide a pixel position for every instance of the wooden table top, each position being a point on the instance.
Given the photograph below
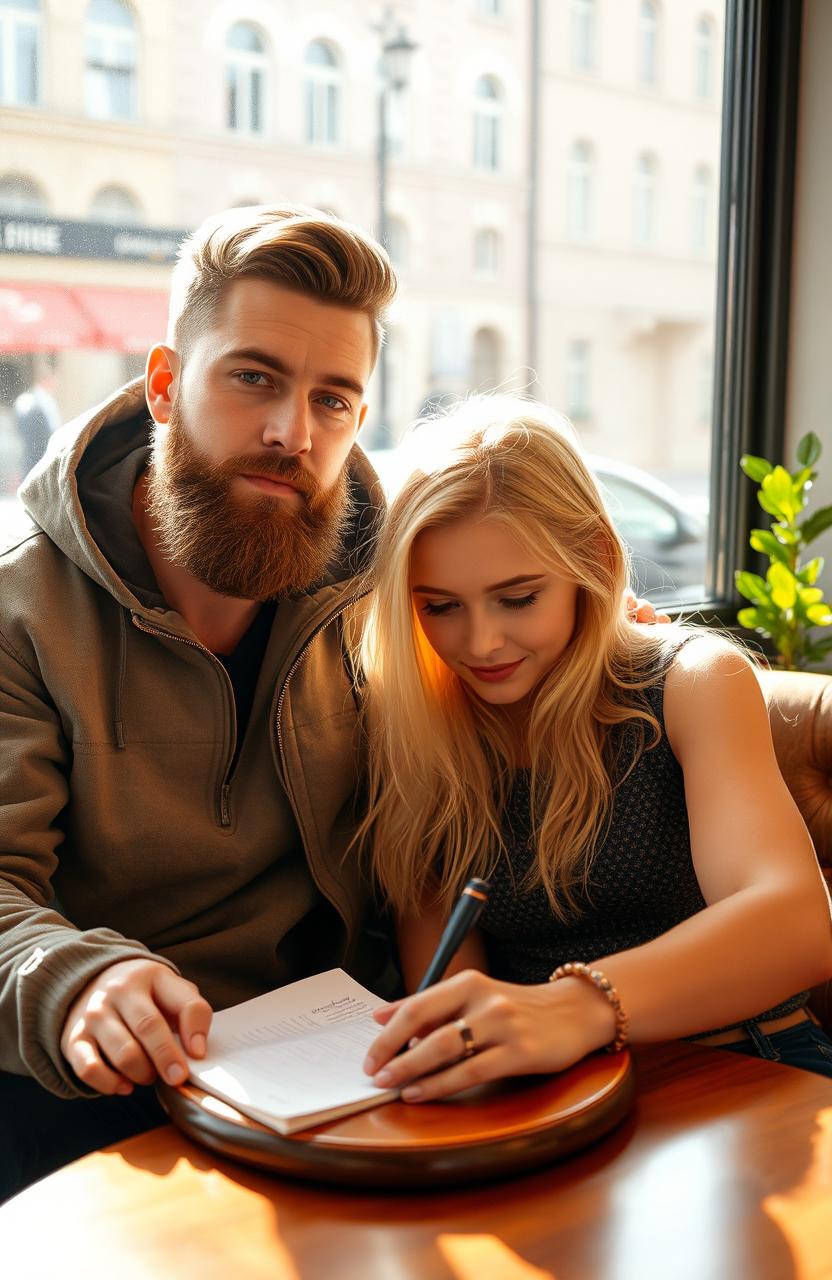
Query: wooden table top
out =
(722, 1172)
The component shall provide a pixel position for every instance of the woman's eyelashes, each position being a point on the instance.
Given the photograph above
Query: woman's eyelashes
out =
(435, 609)
(520, 602)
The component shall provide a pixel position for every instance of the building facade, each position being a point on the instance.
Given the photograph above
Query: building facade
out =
(578, 259)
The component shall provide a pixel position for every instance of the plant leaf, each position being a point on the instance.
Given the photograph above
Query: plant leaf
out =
(755, 468)
(816, 524)
(809, 449)
(783, 586)
(765, 541)
(820, 615)
(753, 587)
(780, 492)
(810, 572)
(753, 620)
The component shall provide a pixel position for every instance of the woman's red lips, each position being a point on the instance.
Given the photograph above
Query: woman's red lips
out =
(502, 672)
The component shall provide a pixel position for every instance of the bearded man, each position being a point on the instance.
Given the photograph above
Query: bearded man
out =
(177, 717)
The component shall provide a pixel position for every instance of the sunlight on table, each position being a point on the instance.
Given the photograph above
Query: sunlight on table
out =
(802, 1214)
(486, 1258)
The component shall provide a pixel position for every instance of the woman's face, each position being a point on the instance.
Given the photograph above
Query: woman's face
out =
(489, 609)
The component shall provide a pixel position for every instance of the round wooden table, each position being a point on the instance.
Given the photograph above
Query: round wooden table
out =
(723, 1171)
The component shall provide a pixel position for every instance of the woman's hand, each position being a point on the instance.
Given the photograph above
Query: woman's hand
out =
(516, 1030)
(639, 610)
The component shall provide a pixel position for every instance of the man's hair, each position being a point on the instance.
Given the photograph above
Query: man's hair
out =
(300, 248)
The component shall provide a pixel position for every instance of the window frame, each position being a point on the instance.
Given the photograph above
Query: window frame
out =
(756, 196)
(244, 65)
(11, 20)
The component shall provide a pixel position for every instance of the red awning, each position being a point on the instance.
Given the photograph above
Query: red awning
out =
(43, 317)
(126, 319)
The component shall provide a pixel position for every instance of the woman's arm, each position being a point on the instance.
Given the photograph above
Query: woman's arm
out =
(764, 934)
(417, 938)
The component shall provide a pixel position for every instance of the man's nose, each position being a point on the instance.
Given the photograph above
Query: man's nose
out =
(287, 426)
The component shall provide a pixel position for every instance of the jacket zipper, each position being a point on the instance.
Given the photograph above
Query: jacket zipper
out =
(224, 788)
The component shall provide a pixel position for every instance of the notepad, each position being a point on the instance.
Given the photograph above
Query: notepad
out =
(292, 1058)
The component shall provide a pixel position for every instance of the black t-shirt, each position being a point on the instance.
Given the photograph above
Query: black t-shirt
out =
(243, 667)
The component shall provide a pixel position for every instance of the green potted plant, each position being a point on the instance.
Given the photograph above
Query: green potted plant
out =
(786, 605)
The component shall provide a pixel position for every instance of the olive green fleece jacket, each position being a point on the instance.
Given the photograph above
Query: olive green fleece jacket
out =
(118, 797)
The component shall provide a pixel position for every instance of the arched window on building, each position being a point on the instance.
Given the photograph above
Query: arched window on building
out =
(647, 37)
(486, 360)
(703, 58)
(19, 194)
(323, 92)
(580, 188)
(487, 253)
(582, 34)
(110, 53)
(117, 205)
(578, 380)
(700, 208)
(246, 71)
(398, 242)
(488, 124)
(20, 52)
(645, 198)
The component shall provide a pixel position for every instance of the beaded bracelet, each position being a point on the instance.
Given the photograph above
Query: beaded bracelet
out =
(576, 969)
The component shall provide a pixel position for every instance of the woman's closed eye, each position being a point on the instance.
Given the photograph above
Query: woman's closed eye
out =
(436, 608)
(519, 602)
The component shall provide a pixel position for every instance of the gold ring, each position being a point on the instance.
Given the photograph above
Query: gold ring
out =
(468, 1044)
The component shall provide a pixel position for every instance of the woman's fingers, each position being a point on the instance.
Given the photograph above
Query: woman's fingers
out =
(480, 1068)
(435, 1050)
(418, 1015)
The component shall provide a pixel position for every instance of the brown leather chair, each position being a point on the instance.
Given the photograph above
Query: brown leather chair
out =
(800, 712)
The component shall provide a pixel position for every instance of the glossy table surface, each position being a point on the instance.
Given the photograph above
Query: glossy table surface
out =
(722, 1172)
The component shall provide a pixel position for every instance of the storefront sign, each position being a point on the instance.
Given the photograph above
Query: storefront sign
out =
(60, 238)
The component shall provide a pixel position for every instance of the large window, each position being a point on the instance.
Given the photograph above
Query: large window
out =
(19, 194)
(488, 123)
(645, 198)
(20, 52)
(582, 34)
(110, 47)
(566, 192)
(580, 191)
(487, 253)
(647, 42)
(700, 209)
(703, 77)
(117, 205)
(245, 79)
(323, 93)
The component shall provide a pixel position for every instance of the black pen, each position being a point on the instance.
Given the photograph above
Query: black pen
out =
(461, 921)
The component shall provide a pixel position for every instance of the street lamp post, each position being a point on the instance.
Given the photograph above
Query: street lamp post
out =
(396, 48)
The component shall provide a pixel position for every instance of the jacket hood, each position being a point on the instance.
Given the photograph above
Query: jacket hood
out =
(60, 491)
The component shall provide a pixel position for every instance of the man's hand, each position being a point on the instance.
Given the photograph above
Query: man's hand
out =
(639, 610)
(120, 1030)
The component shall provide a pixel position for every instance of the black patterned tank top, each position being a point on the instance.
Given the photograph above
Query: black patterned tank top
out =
(642, 881)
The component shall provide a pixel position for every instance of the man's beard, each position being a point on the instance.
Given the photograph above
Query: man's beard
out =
(251, 548)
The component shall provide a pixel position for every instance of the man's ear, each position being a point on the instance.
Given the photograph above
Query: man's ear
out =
(161, 381)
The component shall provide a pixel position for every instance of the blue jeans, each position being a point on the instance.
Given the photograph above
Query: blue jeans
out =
(805, 1046)
(41, 1132)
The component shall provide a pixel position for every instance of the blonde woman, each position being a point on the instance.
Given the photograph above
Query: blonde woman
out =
(616, 785)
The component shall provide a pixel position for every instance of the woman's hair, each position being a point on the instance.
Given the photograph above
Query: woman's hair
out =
(442, 759)
(300, 248)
